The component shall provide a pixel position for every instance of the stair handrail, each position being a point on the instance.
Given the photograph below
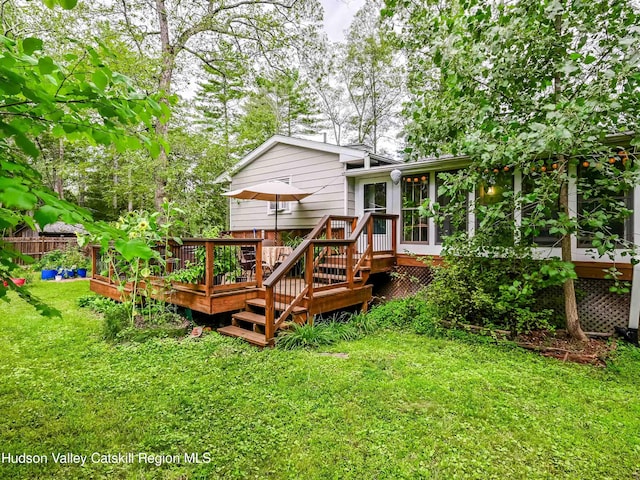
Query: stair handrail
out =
(271, 323)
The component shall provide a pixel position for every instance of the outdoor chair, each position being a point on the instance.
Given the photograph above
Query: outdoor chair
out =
(247, 259)
(281, 258)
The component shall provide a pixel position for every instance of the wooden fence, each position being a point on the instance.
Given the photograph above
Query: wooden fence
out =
(38, 246)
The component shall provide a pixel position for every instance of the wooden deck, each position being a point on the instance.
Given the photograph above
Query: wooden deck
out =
(327, 272)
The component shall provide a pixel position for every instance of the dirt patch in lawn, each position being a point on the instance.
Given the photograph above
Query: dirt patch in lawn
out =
(561, 346)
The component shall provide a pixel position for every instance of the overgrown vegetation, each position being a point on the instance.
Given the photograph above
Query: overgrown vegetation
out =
(395, 405)
(160, 320)
(495, 292)
(408, 314)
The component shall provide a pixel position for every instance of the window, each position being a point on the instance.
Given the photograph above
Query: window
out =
(375, 201)
(415, 190)
(449, 226)
(596, 197)
(283, 207)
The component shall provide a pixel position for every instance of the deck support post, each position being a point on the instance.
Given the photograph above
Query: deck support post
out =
(350, 272)
(208, 274)
(269, 315)
(259, 264)
(308, 269)
(94, 261)
(634, 311)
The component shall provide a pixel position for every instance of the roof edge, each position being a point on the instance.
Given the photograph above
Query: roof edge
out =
(296, 142)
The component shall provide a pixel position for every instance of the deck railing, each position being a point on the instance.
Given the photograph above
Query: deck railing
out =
(335, 254)
(204, 265)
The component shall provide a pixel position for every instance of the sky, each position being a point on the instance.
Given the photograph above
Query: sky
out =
(338, 15)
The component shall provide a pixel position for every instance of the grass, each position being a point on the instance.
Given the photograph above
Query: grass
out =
(400, 406)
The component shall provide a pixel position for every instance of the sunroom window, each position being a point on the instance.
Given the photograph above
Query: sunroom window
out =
(598, 194)
(449, 226)
(415, 190)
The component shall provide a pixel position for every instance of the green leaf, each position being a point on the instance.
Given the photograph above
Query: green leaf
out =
(18, 198)
(46, 215)
(135, 248)
(26, 145)
(68, 4)
(46, 65)
(31, 44)
(100, 80)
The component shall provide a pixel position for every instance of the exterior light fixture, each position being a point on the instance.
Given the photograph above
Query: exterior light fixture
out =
(396, 176)
(491, 190)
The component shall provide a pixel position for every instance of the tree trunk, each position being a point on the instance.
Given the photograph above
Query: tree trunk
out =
(116, 182)
(570, 302)
(58, 183)
(164, 85)
(130, 202)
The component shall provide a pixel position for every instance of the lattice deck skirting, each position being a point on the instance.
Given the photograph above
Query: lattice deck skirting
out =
(599, 309)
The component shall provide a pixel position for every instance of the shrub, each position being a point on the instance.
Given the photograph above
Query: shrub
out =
(494, 292)
(401, 313)
(96, 303)
(306, 336)
(49, 261)
(346, 331)
(116, 319)
(364, 323)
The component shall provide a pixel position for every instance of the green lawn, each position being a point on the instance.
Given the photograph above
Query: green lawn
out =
(400, 406)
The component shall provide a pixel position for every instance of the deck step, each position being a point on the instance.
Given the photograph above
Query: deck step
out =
(251, 337)
(261, 303)
(331, 276)
(332, 266)
(250, 317)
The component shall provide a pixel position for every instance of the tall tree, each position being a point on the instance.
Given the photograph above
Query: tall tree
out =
(373, 75)
(531, 85)
(226, 83)
(281, 103)
(189, 27)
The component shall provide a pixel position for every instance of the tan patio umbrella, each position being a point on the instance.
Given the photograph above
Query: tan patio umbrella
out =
(273, 191)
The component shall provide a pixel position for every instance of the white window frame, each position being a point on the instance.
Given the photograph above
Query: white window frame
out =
(283, 207)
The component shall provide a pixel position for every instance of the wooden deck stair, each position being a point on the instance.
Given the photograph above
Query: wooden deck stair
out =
(249, 324)
(332, 274)
(254, 338)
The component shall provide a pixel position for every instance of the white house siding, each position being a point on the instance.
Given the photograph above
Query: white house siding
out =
(311, 170)
(351, 197)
